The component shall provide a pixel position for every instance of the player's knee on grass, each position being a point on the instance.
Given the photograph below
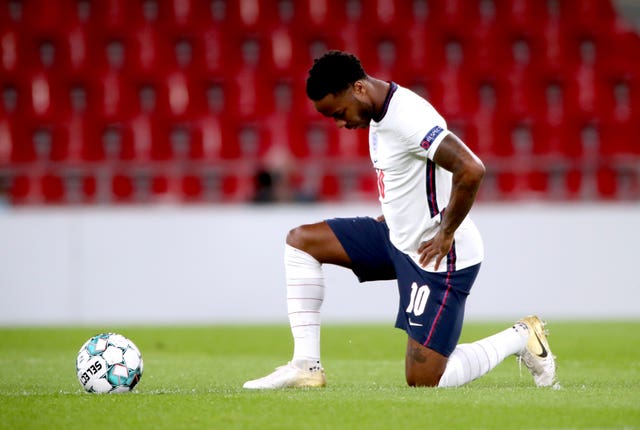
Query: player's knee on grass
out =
(420, 379)
(423, 366)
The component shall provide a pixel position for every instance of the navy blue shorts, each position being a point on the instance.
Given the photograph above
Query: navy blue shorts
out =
(431, 306)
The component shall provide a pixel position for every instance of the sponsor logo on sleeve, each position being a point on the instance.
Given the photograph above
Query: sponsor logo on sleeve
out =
(431, 136)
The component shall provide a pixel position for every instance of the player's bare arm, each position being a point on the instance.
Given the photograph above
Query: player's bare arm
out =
(468, 171)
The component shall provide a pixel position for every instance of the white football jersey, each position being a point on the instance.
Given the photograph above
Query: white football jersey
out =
(414, 191)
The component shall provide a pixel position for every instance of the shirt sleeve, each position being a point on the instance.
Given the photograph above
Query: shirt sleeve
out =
(432, 140)
(419, 126)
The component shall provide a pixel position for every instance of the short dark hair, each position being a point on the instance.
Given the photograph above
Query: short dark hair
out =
(333, 73)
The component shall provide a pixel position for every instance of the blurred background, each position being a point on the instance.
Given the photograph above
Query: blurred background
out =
(143, 101)
(134, 133)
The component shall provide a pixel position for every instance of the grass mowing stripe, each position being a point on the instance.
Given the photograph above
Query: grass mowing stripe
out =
(193, 377)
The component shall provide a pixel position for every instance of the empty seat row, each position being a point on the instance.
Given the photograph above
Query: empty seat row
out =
(107, 186)
(261, 15)
(148, 51)
(178, 96)
(144, 140)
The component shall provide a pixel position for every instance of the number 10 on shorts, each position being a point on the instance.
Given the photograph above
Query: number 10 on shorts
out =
(418, 302)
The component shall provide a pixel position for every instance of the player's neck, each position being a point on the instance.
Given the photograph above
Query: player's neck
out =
(379, 91)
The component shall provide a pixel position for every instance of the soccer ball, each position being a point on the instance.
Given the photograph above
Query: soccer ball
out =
(109, 363)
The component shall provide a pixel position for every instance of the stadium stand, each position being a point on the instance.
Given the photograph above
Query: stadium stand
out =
(196, 101)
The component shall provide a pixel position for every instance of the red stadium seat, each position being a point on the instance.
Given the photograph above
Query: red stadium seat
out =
(501, 145)
(116, 97)
(11, 13)
(246, 16)
(48, 99)
(553, 106)
(283, 44)
(353, 146)
(285, 135)
(53, 189)
(15, 144)
(176, 96)
(212, 51)
(521, 15)
(237, 187)
(37, 188)
(111, 16)
(453, 15)
(21, 188)
(623, 44)
(60, 150)
(455, 85)
(368, 185)
(583, 140)
(149, 139)
(191, 188)
(620, 139)
(102, 143)
(11, 52)
(76, 127)
(137, 139)
(586, 91)
(422, 53)
(252, 140)
(506, 183)
(43, 16)
(330, 187)
(40, 146)
(122, 189)
(79, 46)
(487, 47)
(248, 89)
(348, 16)
(183, 16)
(592, 17)
(42, 91)
(555, 52)
(212, 136)
(607, 183)
(149, 53)
(320, 141)
(538, 182)
(314, 14)
(385, 15)
(386, 61)
(160, 185)
(283, 49)
(574, 183)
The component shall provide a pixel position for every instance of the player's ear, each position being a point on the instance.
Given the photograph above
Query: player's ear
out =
(358, 88)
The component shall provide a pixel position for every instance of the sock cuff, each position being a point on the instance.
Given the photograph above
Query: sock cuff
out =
(298, 254)
(300, 264)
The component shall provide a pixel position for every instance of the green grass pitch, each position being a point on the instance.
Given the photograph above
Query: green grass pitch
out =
(193, 378)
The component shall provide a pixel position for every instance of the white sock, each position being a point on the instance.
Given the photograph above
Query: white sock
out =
(471, 360)
(305, 293)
